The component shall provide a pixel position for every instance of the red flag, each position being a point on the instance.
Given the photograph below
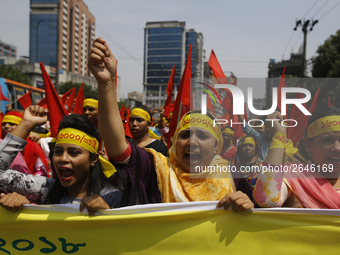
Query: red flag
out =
(295, 133)
(64, 97)
(56, 109)
(78, 107)
(245, 113)
(315, 101)
(282, 84)
(329, 101)
(221, 78)
(26, 100)
(184, 98)
(210, 105)
(216, 68)
(43, 103)
(70, 100)
(228, 99)
(169, 89)
(2, 97)
(127, 127)
(122, 112)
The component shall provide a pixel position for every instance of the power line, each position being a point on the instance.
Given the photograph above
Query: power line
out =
(297, 41)
(311, 8)
(250, 72)
(243, 65)
(321, 8)
(329, 10)
(233, 56)
(238, 61)
(118, 45)
(284, 52)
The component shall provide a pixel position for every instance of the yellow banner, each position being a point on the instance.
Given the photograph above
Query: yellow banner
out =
(174, 228)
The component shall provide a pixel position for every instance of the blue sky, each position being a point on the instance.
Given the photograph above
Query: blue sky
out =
(244, 34)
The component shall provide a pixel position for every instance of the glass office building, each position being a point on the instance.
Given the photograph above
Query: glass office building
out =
(43, 38)
(167, 44)
(76, 34)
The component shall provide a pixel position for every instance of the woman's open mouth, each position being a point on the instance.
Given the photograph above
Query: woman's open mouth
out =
(334, 160)
(193, 158)
(66, 174)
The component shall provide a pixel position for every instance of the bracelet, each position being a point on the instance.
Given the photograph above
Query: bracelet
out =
(278, 141)
(124, 155)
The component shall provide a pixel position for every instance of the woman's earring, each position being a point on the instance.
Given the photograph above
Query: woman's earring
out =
(92, 164)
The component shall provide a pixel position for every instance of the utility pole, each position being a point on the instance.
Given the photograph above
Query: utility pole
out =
(305, 24)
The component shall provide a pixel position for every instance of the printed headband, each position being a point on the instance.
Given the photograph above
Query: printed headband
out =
(77, 137)
(202, 121)
(228, 131)
(249, 140)
(141, 113)
(90, 143)
(323, 125)
(11, 119)
(91, 102)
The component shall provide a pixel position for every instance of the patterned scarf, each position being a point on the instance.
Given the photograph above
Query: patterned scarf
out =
(177, 185)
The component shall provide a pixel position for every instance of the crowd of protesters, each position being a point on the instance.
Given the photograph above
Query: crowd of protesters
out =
(104, 159)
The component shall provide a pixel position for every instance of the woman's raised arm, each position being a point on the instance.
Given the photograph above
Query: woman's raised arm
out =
(103, 66)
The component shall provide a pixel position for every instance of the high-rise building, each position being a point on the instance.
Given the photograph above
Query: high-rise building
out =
(167, 44)
(76, 33)
(8, 50)
(8, 53)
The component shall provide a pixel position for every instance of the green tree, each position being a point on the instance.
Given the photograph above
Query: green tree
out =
(8, 72)
(88, 91)
(327, 62)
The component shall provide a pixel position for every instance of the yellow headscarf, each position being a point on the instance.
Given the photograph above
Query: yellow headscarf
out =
(177, 185)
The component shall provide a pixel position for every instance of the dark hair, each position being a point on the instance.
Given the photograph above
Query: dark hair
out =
(92, 97)
(97, 180)
(145, 109)
(40, 130)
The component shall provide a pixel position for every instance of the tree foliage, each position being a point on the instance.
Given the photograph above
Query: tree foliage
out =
(8, 72)
(88, 91)
(327, 62)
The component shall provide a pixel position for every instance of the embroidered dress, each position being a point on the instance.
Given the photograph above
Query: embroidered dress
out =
(310, 189)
